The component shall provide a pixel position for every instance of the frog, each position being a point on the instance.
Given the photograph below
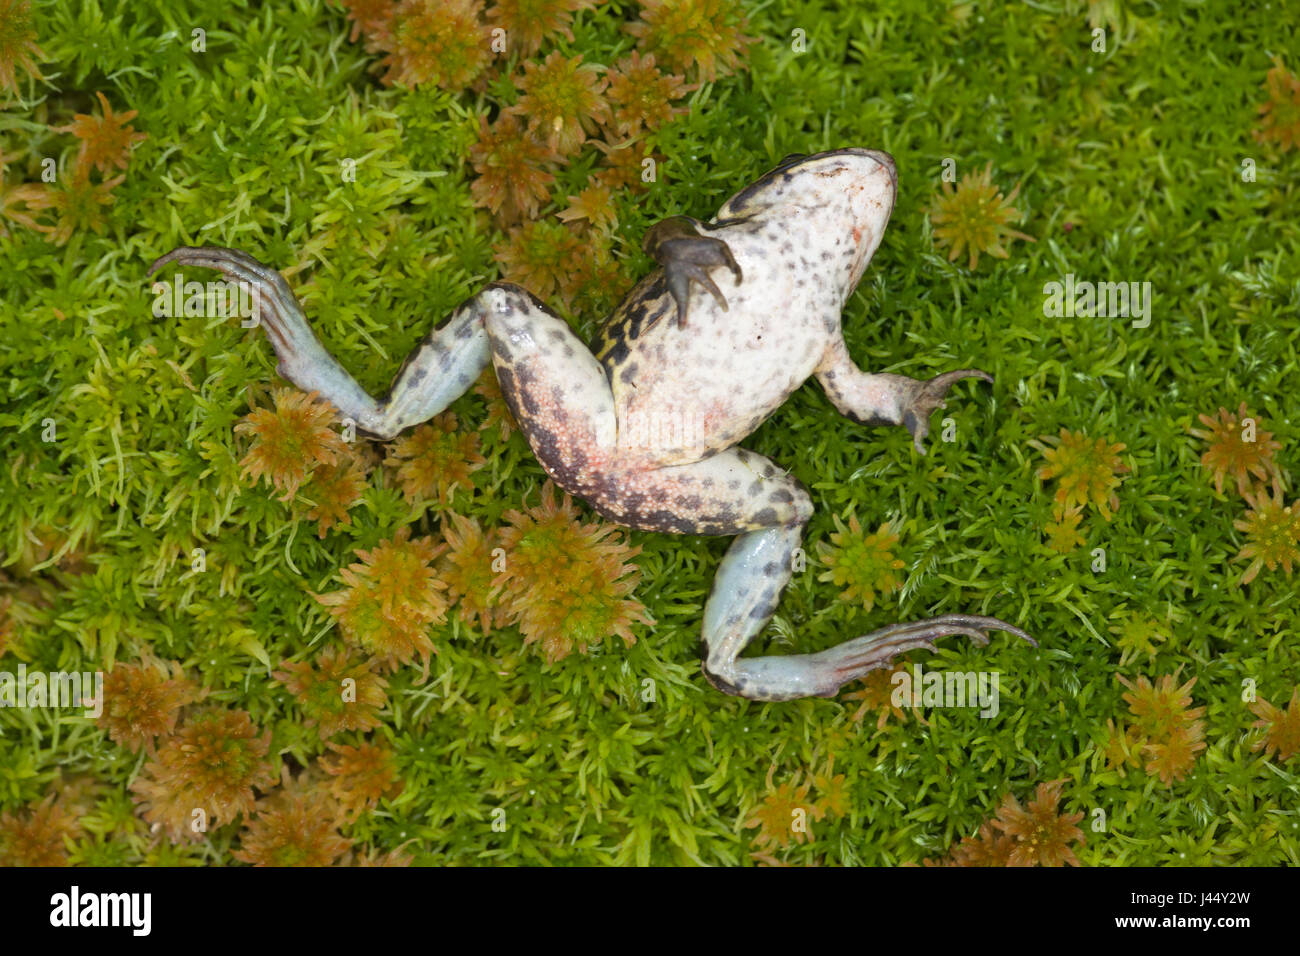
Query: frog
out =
(645, 425)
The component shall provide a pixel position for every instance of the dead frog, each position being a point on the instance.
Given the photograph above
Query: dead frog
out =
(645, 426)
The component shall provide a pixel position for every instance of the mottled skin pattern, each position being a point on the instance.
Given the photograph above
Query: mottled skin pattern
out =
(644, 428)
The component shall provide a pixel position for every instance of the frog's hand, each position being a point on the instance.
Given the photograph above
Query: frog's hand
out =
(884, 398)
(437, 372)
(687, 255)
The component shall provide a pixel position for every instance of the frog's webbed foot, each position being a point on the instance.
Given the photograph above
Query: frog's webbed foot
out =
(920, 399)
(687, 256)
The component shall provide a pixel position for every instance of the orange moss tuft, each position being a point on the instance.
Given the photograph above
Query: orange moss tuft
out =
(296, 826)
(434, 41)
(988, 847)
(434, 459)
(37, 835)
(362, 776)
(1230, 455)
(642, 95)
(705, 34)
(393, 594)
(528, 22)
(338, 693)
(467, 569)
(371, 18)
(594, 204)
(562, 102)
(542, 256)
(142, 701)
(1281, 727)
(1279, 118)
(1168, 732)
(107, 140)
(212, 763)
(566, 584)
(17, 42)
(334, 491)
(19, 202)
(877, 694)
(784, 815)
(513, 178)
(1042, 833)
(625, 165)
(292, 441)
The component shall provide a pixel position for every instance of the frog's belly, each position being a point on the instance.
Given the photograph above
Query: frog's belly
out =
(682, 394)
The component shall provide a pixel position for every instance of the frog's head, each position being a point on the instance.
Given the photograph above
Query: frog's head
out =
(830, 197)
(870, 183)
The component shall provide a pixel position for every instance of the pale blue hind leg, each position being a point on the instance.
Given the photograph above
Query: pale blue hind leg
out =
(745, 593)
(738, 492)
(437, 372)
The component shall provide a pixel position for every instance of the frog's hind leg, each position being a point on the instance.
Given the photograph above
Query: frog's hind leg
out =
(555, 388)
(437, 371)
(738, 492)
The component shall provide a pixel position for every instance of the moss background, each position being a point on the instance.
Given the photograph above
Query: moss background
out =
(1138, 149)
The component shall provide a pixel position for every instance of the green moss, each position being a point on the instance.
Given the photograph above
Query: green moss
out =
(1138, 149)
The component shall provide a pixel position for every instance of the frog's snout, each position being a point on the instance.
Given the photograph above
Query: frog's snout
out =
(887, 162)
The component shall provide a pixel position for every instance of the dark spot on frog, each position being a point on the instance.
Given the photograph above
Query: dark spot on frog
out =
(766, 517)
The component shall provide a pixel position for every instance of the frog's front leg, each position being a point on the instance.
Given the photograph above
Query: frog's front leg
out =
(437, 371)
(884, 398)
(687, 255)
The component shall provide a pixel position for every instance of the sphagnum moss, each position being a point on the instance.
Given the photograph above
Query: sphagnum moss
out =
(126, 529)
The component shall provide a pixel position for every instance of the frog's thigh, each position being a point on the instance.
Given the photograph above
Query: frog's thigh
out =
(556, 390)
(728, 493)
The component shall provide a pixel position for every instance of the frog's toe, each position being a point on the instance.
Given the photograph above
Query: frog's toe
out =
(925, 397)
